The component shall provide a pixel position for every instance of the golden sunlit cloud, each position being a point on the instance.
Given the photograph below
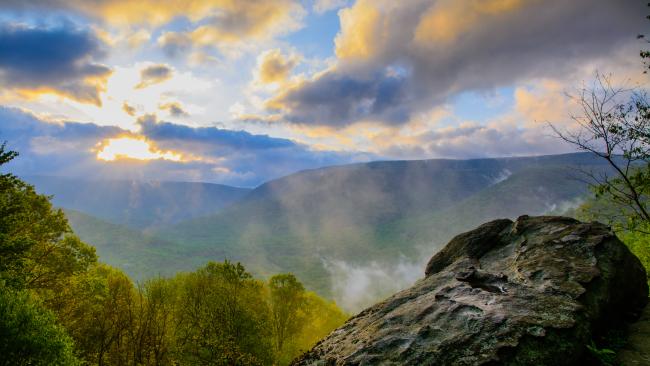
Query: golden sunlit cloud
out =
(447, 20)
(137, 148)
(275, 67)
(214, 21)
(543, 102)
(123, 101)
(87, 90)
(360, 28)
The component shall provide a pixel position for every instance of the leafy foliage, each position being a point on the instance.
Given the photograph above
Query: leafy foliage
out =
(605, 356)
(222, 308)
(57, 301)
(287, 299)
(29, 334)
(37, 247)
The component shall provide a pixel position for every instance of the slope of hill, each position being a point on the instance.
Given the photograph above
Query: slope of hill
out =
(376, 212)
(530, 191)
(138, 204)
(139, 255)
(337, 228)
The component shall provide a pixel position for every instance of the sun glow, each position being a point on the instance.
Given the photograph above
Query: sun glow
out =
(133, 148)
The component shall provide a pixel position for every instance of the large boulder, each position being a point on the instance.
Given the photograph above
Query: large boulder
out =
(530, 292)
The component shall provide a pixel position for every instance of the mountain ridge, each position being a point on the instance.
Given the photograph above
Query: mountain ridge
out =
(137, 204)
(347, 221)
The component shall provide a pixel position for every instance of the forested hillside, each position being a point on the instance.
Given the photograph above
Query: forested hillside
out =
(60, 305)
(377, 212)
(325, 225)
(137, 253)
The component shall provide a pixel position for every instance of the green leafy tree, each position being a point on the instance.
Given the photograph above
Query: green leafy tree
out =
(222, 317)
(29, 334)
(318, 318)
(153, 337)
(37, 247)
(38, 257)
(287, 302)
(98, 310)
(216, 315)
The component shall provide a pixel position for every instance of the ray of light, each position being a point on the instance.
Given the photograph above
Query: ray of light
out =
(133, 148)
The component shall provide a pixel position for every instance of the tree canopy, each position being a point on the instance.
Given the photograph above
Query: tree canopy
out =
(60, 306)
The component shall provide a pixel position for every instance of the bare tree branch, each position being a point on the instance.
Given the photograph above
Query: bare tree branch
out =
(613, 124)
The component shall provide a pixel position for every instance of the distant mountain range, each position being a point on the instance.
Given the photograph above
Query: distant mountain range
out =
(311, 221)
(138, 204)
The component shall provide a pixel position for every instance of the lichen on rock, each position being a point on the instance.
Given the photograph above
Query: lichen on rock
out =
(529, 292)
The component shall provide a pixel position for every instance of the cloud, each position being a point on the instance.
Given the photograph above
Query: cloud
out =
(225, 27)
(174, 44)
(338, 99)
(472, 140)
(253, 19)
(395, 59)
(174, 109)
(126, 147)
(217, 138)
(547, 101)
(58, 60)
(159, 151)
(275, 67)
(138, 38)
(128, 109)
(356, 286)
(154, 74)
(150, 12)
(322, 6)
(519, 130)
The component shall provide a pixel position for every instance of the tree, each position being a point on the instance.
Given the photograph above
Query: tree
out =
(53, 291)
(222, 317)
(614, 124)
(287, 300)
(29, 334)
(318, 317)
(37, 247)
(97, 307)
(153, 337)
(5, 157)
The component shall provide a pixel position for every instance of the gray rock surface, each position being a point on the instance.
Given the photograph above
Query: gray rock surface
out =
(530, 292)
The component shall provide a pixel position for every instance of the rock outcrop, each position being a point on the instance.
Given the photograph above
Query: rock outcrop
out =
(530, 292)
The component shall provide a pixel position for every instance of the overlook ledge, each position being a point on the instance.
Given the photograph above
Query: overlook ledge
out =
(529, 292)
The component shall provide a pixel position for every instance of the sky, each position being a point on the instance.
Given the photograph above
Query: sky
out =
(239, 92)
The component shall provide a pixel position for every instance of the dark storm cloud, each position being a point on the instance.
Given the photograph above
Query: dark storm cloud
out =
(479, 45)
(57, 59)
